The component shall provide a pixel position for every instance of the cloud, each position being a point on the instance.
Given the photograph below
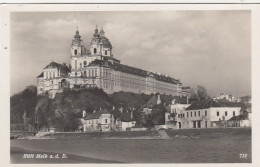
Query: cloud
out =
(198, 47)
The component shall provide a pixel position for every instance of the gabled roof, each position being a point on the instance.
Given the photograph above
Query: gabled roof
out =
(208, 103)
(62, 67)
(96, 115)
(40, 76)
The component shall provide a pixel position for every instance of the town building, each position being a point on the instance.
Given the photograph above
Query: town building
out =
(125, 120)
(99, 121)
(227, 97)
(173, 111)
(97, 67)
(206, 114)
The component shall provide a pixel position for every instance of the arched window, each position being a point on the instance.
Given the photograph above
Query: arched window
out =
(75, 51)
(234, 113)
(105, 52)
(95, 50)
(85, 73)
(85, 63)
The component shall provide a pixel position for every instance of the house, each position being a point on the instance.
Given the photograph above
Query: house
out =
(172, 112)
(227, 97)
(206, 114)
(99, 121)
(125, 121)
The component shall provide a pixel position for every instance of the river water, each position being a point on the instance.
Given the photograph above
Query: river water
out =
(188, 150)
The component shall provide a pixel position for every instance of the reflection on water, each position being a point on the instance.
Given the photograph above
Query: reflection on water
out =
(198, 150)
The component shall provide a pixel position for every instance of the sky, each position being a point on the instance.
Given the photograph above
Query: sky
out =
(208, 48)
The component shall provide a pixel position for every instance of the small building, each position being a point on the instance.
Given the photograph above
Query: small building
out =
(174, 111)
(99, 121)
(125, 121)
(206, 114)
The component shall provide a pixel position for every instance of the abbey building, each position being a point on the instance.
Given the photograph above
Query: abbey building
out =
(97, 67)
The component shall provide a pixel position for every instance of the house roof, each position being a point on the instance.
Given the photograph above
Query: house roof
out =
(96, 115)
(208, 103)
(125, 117)
(135, 71)
(62, 67)
(40, 76)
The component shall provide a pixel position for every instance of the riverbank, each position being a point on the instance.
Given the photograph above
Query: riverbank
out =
(155, 134)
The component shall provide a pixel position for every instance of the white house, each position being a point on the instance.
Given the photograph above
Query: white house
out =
(205, 114)
(172, 110)
(99, 121)
(125, 121)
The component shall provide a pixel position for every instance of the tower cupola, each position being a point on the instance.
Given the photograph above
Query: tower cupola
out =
(96, 34)
(77, 46)
(77, 36)
(102, 32)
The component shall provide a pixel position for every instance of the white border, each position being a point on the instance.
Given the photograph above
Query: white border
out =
(5, 64)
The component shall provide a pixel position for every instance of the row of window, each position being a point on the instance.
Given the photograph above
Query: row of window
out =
(191, 114)
(50, 74)
(198, 114)
(92, 121)
(226, 113)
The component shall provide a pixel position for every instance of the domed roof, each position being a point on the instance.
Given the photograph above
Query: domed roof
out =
(105, 42)
(102, 32)
(77, 34)
(96, 34)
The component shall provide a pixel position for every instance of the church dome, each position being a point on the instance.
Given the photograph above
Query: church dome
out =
(105, 42)
(96, 34)
(77, 36)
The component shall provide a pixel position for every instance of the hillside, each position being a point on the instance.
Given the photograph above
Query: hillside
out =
(61, 111)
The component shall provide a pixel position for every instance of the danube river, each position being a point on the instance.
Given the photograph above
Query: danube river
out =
(224, 149)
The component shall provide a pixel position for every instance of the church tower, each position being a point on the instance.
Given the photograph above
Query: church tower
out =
(100, 45)
(77, 46)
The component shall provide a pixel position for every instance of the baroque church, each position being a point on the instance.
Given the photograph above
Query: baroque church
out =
(97, 67)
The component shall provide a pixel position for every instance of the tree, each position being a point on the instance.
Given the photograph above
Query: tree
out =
(202, 92)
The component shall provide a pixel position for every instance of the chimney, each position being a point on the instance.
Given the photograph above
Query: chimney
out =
(131, 114)
(159, 99)
(84, 113)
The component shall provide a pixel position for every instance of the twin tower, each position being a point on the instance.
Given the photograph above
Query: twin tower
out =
(100, 45)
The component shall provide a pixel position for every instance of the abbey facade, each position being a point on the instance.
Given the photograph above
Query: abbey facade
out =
(97, 67)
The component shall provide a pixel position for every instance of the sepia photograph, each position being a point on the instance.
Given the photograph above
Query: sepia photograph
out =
(130, 86)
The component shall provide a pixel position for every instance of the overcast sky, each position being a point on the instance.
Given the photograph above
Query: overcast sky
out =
(210, 48)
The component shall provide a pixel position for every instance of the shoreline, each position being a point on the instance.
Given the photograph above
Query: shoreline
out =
(153, 134)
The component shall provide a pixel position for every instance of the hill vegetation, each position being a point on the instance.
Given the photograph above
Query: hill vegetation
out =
(61, 111)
